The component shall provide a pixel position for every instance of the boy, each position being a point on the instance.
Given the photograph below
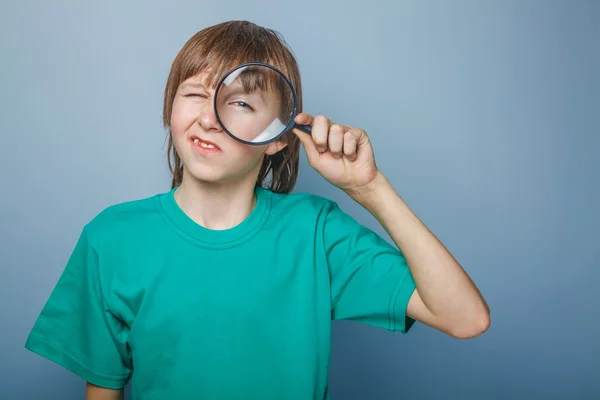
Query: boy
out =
(225, 286)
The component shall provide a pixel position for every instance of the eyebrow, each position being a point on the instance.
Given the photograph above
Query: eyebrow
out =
(196, 85)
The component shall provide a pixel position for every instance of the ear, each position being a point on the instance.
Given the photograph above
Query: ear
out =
(275, 147)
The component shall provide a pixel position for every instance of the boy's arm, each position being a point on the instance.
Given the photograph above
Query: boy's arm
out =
(446, 298)
(94, 392)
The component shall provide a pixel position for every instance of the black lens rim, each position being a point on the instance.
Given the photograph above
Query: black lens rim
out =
(291, 122)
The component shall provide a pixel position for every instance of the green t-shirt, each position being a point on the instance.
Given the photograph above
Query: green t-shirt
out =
(244, 313)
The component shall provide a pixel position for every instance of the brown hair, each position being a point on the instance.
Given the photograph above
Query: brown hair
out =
(215, 50)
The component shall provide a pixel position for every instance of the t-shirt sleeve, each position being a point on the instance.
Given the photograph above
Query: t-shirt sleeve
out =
(370, 279)
(76, 330)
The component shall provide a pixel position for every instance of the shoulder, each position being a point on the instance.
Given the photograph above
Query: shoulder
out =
(306, 212)
(122, 220)
(301, 202)
(302, 208)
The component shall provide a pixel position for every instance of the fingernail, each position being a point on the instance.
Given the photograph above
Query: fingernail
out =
(321, 149)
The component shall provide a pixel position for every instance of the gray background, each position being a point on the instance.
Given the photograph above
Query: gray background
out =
(484, 115)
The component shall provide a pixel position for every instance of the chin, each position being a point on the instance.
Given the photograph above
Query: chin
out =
(208, 175)
(217, 173)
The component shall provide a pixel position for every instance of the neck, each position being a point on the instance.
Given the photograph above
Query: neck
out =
(216, 206)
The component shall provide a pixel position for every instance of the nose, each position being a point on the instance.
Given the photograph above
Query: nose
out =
(208, 119)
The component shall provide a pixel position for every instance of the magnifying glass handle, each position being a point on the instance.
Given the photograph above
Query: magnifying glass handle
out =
(305, 128)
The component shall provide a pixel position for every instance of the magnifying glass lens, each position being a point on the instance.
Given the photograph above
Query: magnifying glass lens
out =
(254, 103)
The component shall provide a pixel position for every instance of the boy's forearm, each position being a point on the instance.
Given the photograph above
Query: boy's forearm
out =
(94, 392)
(442, 284)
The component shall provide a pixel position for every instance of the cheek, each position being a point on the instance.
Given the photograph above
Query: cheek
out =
(182, 118)
(245, 155)
(244, 151)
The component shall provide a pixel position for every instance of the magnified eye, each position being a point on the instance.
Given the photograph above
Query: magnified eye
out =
(255, 103)
(243, 104)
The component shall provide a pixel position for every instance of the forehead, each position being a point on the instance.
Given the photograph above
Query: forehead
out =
(200, 80)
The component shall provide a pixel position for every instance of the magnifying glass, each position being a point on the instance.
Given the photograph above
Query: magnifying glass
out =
(255, 103)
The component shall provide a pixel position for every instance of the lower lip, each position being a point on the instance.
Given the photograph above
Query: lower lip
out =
(199, 148)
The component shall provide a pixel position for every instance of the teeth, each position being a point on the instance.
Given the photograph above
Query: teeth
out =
(205, 145)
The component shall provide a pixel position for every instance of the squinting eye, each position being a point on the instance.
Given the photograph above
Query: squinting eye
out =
(196, 95)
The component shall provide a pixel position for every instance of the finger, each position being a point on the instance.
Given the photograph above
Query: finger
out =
(350, 146)
(320, 132)
(336, 140)
(304, 119)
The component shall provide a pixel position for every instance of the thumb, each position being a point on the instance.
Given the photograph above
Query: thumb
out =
(307, 141)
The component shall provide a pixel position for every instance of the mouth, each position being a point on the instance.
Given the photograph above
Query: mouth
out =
(204, 144)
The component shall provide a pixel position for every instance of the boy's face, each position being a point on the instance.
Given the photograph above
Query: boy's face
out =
(207, 152)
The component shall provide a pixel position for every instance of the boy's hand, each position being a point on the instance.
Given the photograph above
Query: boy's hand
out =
(341, 154)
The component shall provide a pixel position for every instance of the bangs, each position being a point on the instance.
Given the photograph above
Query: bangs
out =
(223, 49)
(214, 65)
